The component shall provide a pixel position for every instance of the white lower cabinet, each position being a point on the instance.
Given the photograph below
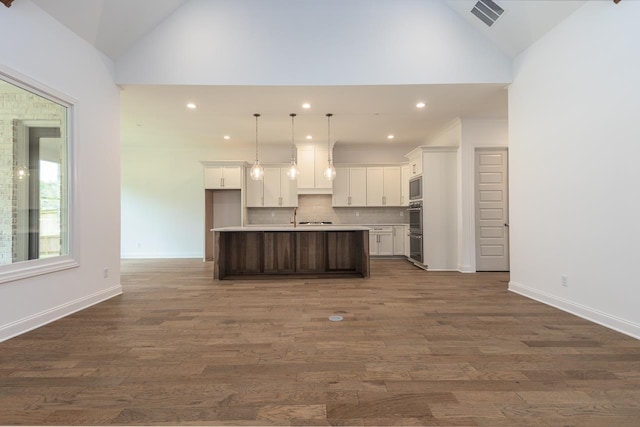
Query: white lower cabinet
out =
(399, 236)
(381, 240)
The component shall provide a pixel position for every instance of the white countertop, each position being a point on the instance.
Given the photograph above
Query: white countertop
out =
(292, 228)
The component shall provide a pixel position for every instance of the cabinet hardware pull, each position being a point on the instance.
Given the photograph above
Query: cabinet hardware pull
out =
(221, 182)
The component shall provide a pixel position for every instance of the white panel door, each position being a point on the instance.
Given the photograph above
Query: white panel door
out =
(492, 210)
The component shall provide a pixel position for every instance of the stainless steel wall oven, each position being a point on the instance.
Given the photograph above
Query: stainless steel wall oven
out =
(415, 231)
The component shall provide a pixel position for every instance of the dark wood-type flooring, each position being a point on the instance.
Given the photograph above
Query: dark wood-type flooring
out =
(415, 348)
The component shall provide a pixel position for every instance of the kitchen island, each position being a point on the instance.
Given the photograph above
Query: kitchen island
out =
(304, 251)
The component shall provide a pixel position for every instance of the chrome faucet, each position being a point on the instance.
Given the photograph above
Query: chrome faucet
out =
(295, 211)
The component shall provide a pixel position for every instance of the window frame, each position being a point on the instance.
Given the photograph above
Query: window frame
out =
(25, 269)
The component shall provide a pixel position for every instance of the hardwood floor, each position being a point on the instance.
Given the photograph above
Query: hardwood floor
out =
(415, 348)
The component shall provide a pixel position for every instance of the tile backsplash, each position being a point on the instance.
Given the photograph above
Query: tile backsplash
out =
(317, 207)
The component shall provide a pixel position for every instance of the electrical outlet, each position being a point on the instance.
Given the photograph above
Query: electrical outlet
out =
(357, 213)
(273, 213)
(105, 273)
(564, 280)
(401, 213)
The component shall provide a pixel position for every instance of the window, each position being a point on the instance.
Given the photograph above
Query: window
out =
(36, 209)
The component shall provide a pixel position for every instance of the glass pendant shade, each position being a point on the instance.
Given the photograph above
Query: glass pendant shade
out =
(330, 172)
(293, 171)
(22, 173)
(257, 171)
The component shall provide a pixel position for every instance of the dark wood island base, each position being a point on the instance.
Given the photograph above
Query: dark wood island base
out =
(269, 252)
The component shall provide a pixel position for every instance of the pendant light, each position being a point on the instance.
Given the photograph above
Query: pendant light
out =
(257, 172)
(330, 171)
(22, 173)
(293, 170)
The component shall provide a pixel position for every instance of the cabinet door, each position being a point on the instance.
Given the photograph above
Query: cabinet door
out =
(391, 186)
(232, 177)
(373, 242)
(375, 180)
(398, 239)
(306, 164)
(358, 186)
(271, 183)
(213, 177)
(385, 243)
(321, 162)
(254, 192)
(341, 193)
(288, 190)
(415, 165)
(404, 185)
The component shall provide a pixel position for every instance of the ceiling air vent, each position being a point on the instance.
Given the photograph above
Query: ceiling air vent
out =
(487, 11)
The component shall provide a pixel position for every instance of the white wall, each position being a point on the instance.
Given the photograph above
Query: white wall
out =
(272, 43)
(310, 42)
(363, 154)
(474, 133)
(45, 51)
(163, 194)
(573, 152)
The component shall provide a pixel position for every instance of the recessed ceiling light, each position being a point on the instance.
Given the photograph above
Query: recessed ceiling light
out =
(309, 137)
(390, 136)
(421, 104)
(191, 106)
(226, 137)
(306, 105)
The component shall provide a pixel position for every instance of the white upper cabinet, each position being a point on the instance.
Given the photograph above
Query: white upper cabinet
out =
(312, 160)
(383, 186)
(350, 187)
(415, 162)
(254, 192)
(217, 176)
(274, 190)
(404, 185)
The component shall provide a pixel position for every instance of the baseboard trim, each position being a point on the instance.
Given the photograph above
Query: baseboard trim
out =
(37, 320)
(601, 318)
(465, 269)
(154, 255)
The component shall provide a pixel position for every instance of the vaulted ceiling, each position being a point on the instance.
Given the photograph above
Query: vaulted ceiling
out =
(370, 113)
